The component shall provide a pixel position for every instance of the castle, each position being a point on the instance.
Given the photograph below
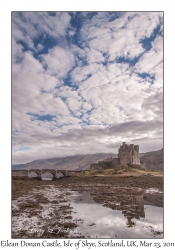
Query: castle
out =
(128, 155)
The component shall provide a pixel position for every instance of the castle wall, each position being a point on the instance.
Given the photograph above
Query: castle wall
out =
(129, 154)
(107, 163)
(125, 157)
(115, 162)
(95, 166)
(136, 157)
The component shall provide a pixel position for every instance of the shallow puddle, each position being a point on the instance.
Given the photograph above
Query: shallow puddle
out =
(52, 212)
(97, 221)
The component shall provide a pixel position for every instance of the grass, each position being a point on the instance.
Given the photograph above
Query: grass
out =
(87, 172)
(108, 170)
(126, 171)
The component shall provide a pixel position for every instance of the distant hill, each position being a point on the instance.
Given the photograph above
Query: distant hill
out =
(152, 160)
(18, 167)
(76, 162)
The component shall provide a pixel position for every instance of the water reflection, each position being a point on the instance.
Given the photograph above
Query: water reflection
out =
(135, 209)
(132, 219)
(127, 213)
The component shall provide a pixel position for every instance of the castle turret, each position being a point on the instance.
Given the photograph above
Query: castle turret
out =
(129, 154)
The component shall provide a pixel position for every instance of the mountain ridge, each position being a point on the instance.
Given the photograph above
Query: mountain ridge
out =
(152, 160)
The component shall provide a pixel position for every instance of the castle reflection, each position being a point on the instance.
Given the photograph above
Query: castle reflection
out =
(130, 201)
(133, 208)
(134, 205)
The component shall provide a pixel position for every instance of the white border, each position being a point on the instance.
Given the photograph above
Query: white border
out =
(5, 93)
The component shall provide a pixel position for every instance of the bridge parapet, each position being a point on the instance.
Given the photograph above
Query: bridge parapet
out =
(20, 173)
(39, 172)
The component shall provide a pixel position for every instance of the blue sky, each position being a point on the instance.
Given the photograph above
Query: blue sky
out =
(83, 82)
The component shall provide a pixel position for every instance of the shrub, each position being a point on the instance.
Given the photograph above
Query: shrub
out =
(93, 172)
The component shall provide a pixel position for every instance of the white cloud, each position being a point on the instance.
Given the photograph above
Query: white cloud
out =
(152, 62)
(58, 61)
(143, 24)
(121, 37)
(40, 47)
(66, 91)
(81, 73)
(17, 51)
(29, 25)
(94, 56)
(95, 103)
(124, 44)
(87, 106)
(73, 104)
(78, 52)
(151, 59)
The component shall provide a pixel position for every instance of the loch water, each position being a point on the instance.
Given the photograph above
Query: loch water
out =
(97, 221)
(92, 219)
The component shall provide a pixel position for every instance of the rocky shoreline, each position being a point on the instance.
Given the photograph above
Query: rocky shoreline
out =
(48, 202)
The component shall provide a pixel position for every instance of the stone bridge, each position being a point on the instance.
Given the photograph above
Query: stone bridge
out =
(39, 172)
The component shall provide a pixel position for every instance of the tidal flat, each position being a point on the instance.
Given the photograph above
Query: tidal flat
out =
(123, 207)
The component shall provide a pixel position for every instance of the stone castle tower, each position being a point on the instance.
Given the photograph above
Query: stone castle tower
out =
(129, 154)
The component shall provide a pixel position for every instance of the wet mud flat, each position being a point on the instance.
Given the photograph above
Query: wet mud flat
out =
(90, 207)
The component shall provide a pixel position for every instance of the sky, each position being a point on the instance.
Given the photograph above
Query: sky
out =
(84, 82)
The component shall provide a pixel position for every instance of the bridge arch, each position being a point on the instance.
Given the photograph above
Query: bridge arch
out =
(46, 176)
(60, 174)
(50, 171)
(37, 173)
(33, 173)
